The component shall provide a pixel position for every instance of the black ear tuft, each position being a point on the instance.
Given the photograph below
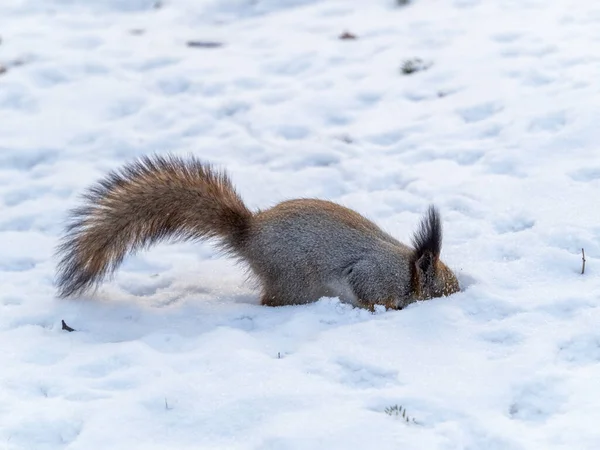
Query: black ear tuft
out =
(428, 237)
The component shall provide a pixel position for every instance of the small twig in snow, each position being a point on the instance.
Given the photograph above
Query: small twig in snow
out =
(414, 65)
(204, 44)
(346, 35)
(67, 327)
(582, 261)
(398, 411)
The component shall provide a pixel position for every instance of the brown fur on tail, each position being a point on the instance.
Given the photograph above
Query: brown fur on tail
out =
(151, 199)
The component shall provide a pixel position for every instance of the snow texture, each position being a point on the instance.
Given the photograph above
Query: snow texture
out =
(499, 129)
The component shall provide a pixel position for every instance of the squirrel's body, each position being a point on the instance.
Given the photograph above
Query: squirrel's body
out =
(307, 249)
(300, 250)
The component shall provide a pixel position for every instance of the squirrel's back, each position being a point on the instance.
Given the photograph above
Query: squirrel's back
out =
(300, 250)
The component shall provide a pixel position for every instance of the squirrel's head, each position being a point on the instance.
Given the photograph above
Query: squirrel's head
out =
(430, 276)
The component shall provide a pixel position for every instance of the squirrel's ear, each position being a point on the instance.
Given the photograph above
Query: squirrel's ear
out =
(425, 267)
(427, 241)
(428, 237)
(425, 263)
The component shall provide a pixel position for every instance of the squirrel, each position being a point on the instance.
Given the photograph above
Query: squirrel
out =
(300, 250)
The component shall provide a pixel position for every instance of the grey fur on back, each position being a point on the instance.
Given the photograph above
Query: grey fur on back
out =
(306, 249)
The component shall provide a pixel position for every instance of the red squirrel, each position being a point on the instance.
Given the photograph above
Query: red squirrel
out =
(300, 250)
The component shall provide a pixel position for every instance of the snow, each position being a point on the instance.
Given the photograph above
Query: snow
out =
(500, 131)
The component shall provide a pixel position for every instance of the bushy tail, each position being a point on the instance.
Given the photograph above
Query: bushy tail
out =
(151, 199)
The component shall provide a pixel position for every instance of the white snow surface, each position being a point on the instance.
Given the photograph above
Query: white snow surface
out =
(501, 132)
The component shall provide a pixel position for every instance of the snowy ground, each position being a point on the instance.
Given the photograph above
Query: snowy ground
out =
(501, 132)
